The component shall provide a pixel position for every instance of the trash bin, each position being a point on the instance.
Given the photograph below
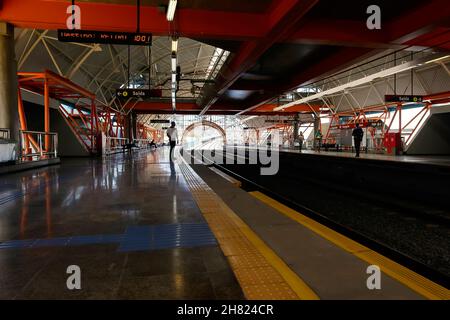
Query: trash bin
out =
(393, 143)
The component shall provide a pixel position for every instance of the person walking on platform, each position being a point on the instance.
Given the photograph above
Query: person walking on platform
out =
(357, 134)
(172, 134)
(301, 139)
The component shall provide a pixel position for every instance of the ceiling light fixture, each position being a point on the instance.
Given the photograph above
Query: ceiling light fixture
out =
(174, 63)
(249, 118)
(438, 59)
(171, 10)
(174, 45)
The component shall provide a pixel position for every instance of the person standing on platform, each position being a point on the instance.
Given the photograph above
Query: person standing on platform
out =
(152, 144)
(172, 134)
(301, 139)
(318, 139)
(357, 134)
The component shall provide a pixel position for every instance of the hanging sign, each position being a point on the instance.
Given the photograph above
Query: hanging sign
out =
(280, 121)
(159, 121)
(403, 98)
(104, 37)
(139, 93)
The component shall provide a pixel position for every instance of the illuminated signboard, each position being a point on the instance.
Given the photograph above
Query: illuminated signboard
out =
(403, 98)
(138, 93)
(104, 37)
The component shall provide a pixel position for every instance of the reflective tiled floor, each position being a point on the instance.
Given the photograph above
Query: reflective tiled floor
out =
(82, 211)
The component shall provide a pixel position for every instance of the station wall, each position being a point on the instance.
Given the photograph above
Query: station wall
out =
(434, 138)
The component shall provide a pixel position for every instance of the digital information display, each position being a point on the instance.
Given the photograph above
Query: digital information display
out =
(105, 37)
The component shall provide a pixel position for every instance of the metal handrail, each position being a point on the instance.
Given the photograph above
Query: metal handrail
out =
(114, 143)
(142, 143)
(5, 133)
(31, 149)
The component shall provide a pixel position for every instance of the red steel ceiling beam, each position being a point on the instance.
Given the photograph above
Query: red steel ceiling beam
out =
(156, 107)
(419, 21)
(283, 16)
(329, 65)
(402, 31)
(51, 14)
(340, 32)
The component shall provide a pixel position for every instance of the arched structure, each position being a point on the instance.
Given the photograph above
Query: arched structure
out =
(207, 124)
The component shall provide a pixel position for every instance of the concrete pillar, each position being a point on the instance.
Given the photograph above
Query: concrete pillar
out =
(9, 117)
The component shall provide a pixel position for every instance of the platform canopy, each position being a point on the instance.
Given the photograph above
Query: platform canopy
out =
(241, 57)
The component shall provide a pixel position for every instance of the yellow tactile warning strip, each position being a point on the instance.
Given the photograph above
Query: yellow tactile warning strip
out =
(262, 275)
(414, 281)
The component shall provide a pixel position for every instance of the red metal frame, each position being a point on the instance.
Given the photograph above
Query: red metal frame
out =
(50, 85)
(355, 116)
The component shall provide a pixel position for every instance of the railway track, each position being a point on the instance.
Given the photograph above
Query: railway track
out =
(420, 261)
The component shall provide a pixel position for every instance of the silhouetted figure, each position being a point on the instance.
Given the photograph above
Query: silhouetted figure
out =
(172, 134)
(152, 144)
(318, 138)
(301, 139)
(357, 134)
(129, 146)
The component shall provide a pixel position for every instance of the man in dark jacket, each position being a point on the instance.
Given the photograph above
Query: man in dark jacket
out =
(357, 134)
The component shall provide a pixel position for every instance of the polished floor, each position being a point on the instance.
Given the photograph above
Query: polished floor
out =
(129, 222)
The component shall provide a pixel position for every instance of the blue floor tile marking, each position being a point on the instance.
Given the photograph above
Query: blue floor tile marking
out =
(135, 238)
(10, 197)
(14, 195)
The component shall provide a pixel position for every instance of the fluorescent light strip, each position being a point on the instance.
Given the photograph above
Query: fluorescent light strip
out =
(174, 64)
(249, 118)
(441, 104)
(171, 10)
(438, 59)
(174, 45)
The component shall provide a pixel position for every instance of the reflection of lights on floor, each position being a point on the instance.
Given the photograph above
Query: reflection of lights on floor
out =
(179, 283)
(73, 196)
(174, 205)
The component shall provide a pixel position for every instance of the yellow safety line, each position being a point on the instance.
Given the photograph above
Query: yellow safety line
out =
(416, 282)
(260, 272)
(295, 282)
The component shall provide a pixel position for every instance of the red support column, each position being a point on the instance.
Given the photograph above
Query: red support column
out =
(47, 115)
(23, 121)
(93, 133)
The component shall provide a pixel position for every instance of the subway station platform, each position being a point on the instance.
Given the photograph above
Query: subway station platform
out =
(141, 227)
(443, 160)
